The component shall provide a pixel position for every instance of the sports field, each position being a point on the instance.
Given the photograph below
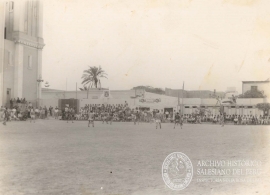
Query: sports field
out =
(55, 157)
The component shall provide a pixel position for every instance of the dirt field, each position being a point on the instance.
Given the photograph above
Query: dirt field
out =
(53, 157)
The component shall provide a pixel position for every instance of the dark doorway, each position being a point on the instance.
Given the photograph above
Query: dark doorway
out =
(8, 96)
(168, 109)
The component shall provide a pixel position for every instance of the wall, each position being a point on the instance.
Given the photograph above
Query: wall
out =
(191, 94)
(262, 86)
(9, 19)
(93, 94)
(8, 68)
(49, 102)
(2, 42)
(190, 104)
(30, 74)
(176, 92)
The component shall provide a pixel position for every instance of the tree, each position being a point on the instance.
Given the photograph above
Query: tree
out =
(265, 107)
(91, 77)
(84, 88)
(252, 94)
(150, 89)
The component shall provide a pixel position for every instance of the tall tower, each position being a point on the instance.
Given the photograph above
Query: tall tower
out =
(21, 65)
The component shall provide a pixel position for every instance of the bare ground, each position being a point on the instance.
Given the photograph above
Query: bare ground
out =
(53, 157)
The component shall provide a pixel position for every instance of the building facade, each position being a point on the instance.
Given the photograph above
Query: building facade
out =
(192, 93)
(263, 86)
(243, 106)
(21, 46)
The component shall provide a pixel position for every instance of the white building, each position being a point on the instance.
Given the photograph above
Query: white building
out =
(263, 86)
(21, 45)
(244, 106)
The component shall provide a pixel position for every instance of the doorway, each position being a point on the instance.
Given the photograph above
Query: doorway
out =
(8, 96)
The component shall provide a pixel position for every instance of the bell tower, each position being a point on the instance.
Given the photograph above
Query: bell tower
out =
(23, 44)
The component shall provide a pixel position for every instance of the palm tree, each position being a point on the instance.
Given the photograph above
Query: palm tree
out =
(84, 88)
(91, 77)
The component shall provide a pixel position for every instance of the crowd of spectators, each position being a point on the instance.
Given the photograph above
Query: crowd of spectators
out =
(235, 119)
(20, 110)
(121, 112)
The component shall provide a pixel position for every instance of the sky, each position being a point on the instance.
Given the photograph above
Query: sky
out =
(209, 44)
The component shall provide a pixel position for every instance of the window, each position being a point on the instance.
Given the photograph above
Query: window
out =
(30, 62)
(186, 106)
(5, 33)
(254, 88)
(11, 6)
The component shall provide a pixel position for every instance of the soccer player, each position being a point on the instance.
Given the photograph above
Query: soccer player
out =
(72, 113)
(177, 120)
(102, 114)
(137, 120)
(110, 118)
(6, 115)
(91, 117)
(56, 113)
(181, 120)
(106, 116)
(37, 112)
(158, 119)
(67, 113)
(222, 120)
(32, 115)
(133, 117)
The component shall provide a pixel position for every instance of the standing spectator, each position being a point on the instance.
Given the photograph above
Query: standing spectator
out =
(37, 112)
(56, 112)
(46, 112)
(166, 114)
(11, 103)
(50, 110)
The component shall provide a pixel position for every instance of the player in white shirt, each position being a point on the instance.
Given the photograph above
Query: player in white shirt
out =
(91, 117)
(32, 115)
(158, 119)
(56, 113)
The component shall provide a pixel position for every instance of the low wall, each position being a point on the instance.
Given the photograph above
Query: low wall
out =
(243, 106)
(49, 102)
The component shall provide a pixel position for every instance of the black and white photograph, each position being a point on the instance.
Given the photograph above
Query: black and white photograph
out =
(134, 97)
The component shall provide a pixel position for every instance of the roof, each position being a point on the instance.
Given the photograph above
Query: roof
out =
(59, 90)
(48, 89)
(256, 81)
